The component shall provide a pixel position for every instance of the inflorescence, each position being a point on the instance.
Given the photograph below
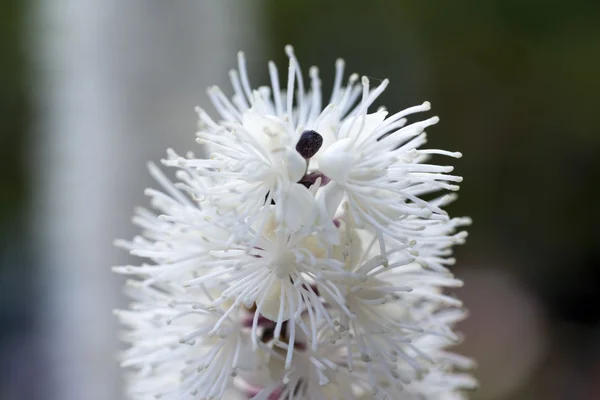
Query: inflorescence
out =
(307, 258)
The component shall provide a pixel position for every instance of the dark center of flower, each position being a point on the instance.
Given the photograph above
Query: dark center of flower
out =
(309, 179)
(310, 142)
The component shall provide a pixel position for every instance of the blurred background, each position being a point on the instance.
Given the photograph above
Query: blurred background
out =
(91, 90)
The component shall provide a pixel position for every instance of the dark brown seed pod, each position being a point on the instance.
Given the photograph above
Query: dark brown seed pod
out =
(310, 142)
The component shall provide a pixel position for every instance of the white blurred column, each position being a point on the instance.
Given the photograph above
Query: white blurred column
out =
(117, 83)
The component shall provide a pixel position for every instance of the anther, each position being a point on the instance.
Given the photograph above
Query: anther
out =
(310, 142)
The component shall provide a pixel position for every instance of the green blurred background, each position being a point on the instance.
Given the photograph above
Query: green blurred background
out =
(18, 297)
(517, 87)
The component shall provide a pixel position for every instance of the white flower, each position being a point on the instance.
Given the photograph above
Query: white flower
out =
(172, 348)
(305, 259)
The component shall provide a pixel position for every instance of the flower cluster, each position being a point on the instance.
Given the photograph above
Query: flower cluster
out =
(305, 259)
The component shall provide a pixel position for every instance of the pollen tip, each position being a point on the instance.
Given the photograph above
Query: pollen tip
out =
(309, 144)
(289, 49)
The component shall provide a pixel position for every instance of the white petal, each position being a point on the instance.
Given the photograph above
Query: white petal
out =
(266, 130)
(330, 198)
(327, 128)
(337, 160)
(351, 128)
(298, 207)
(296, 165)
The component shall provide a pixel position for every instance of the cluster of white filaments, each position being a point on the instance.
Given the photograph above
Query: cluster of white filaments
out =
(306, 258)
